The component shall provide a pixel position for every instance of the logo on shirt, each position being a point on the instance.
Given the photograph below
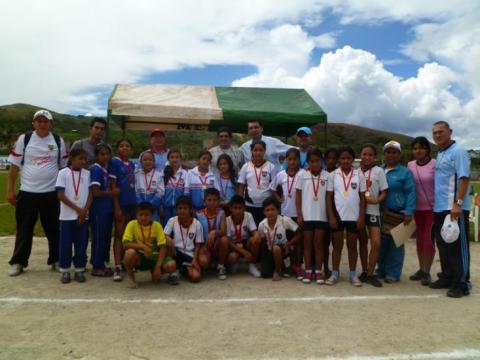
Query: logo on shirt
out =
(323, 182)
(51, 147)
(354, 186)
(264, 173)
(245, 228)
(279, 236)
(191, 235)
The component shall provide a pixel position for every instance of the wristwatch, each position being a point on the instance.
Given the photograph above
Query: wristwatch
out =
(459, 202)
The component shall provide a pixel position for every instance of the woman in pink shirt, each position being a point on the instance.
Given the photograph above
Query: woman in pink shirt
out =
(423, 170)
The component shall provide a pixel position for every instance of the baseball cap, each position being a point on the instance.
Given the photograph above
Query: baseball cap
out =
(392, 144)
(306, 130)
(157, 131)
(45, 113)
(450, 230)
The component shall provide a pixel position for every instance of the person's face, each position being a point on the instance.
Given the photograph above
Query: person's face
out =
(223, 166)
(255, 130)
(258, 152)
(147, 162)
(441, 134)
(224, 139)
(124, 149)
(144, 217)
(331, 160)
(103, 156)
(97, 131)
(204, 161)
(368, 156)
(304, 139)
(237, 210)
(346, 160)
(392, 156)
(175, 159)
(419, 152)
(211, 202)
(42, 125)
(78, 161)
(293, 161)
(315, 163)
(270, 212)
(183, 211)
(158, 140)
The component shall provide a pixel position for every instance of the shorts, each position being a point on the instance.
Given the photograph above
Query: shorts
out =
(129, 210)
(183, 260)
(315, 225)
(350, 226)
(148, 264)
(372, 220)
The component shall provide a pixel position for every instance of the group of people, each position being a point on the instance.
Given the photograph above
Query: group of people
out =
(285, 210)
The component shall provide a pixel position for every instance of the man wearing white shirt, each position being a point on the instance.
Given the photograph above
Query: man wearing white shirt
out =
(275, 147)
(38, 156)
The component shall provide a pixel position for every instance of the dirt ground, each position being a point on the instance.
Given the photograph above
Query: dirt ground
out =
(241, 317)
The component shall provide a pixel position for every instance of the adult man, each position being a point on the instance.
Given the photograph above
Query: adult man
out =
(452, 175)
(158, 142)
(38, 156)
(275, 148)
(225, 146)
(96, 132)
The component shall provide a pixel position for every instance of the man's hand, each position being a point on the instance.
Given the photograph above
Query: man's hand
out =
(11, 198)
(333, 223)
(407, 220)
(455, 213)
(157, 273)
(147, 251)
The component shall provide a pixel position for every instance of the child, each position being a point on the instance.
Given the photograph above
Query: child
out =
(124, 171)
(274, 230)
(255, 178)
(226, 179)
(199, 179)
(149, 183)
(211, 219)
(312, 214)
(185, 236)
(145, 246)
(242, 235)
(346, 211)
(73, 191)
(331, 160)
(375, 192)
(284, 189)
(101, 214)
(174, 177)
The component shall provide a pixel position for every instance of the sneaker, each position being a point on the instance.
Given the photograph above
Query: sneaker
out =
(426, 280)
(65, 277)
(79, 276)
(253, 270)
(373, 280)
(332, 280)
(108, 271)
(15, 270)
(55, 267)
(222, 272)
(363, 277)
(355, 281)
(117, 274)
(457, 292)
(417, 276)
(307, 278)
(389, 280)
(300, 274)
(320, 278)
(100, 273)
(172, 279)
(440, 284)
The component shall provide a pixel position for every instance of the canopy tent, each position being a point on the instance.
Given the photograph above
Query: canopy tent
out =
(178, 107)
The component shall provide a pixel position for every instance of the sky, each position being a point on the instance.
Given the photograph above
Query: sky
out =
(390, 65)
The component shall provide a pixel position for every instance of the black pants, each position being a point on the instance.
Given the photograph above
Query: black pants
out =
(454, 257)
(29, 206)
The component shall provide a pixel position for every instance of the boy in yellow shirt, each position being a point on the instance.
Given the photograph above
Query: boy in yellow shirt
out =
(145, 247)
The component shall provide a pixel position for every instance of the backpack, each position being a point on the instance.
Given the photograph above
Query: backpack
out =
(27, 138)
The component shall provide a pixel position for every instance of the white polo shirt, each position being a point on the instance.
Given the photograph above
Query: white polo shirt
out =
(65, 181)
(40, 169)
(277, 235)
(289, 190)
(185, 239)
(243, 232)
(313, 210)
(375, 182)
(257, 182)
(347, 205)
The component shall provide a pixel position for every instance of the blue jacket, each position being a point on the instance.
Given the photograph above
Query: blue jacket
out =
(401, 195)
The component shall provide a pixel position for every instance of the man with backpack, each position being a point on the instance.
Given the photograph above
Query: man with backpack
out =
(38, 156)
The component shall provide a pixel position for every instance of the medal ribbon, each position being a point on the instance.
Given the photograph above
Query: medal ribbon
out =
(258, 176)
(238, 231)
(290, 186)
(345, 184)
(316, 188)
(368, 180)
(143, 235)
(270, 238)
(76, 186)
(148, 184)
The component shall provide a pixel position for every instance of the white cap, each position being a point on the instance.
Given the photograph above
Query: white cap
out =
(45, 113)
(393, 145)
(450, 230)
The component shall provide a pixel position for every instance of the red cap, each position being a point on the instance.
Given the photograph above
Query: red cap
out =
(157, 131)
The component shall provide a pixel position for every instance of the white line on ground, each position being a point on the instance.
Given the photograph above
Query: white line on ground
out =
(19, 300)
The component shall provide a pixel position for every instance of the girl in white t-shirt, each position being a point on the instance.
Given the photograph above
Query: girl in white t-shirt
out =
(312, 214)
(375, 193)
(346, 211)
(254, 180)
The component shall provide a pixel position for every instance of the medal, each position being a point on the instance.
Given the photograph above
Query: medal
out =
(146, 240)
(76, 186)
(367, 193)
(270, 238)
(316, 188)
(315, 198)
(368, 183)
(238, 231)
(259, 186)
(345, 193)
(204, 187)
(76, 198)
(203, 180)
(258, 176)
(184, 242)
(290, 196)
(346, 185)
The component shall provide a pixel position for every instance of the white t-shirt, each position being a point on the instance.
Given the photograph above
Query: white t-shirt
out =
(346, 202)
(288, 184)
(313, 210)
(234, 232)
(378, 183)
(185, 239)
(40, 168)
(252, 176)
(277, 235)
(66, 182)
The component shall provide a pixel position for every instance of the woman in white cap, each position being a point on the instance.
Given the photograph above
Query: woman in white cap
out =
(398, 207)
